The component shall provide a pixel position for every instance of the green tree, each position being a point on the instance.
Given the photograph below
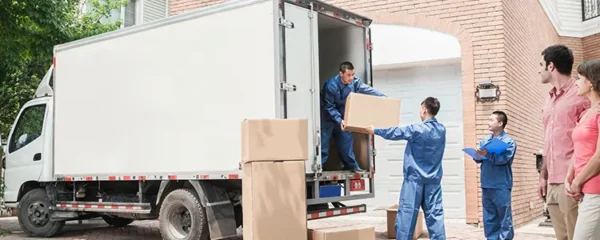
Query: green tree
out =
(29, 29)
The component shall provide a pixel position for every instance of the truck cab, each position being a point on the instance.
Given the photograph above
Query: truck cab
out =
(28, 149)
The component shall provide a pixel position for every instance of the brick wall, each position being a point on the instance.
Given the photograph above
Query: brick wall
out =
(591, 45)
(497, 48)
(575, 44)
(528, 32)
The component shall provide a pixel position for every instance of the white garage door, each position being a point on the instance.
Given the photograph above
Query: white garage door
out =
(412, 86)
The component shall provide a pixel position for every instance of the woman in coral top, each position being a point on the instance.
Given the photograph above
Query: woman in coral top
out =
(583, 179)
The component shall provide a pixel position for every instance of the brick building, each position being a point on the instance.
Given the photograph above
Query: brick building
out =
(501, 41)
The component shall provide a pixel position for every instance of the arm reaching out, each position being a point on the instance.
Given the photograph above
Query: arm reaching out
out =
(363, 88)
(396, 133)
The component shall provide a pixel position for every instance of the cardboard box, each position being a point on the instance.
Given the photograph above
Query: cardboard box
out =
(392, 212)
(274, 140)
(351, 232)
(364, 110)
(274, 200)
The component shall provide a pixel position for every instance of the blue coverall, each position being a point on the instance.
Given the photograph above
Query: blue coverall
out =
(496, 185)
(422, 177)
(333, 103)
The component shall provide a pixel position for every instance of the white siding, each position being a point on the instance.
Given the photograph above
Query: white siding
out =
(154, 10)
(566, 16)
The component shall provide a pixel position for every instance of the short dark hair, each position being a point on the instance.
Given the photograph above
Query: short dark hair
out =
(432, 105)
(591, 71)
(561, 56)
(501, 117)
(346, 66)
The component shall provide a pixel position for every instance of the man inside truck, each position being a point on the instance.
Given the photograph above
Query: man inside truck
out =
(333, 102)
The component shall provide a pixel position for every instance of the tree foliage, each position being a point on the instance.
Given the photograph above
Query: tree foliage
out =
(29, 30)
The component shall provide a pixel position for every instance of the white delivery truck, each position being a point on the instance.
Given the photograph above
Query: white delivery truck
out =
(145, 122)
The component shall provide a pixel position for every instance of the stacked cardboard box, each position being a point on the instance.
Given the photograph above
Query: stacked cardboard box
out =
(349, 232)
(364, 110)
(392, 212)
(274, 152)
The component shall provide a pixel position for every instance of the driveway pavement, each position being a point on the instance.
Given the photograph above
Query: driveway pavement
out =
(97, 229)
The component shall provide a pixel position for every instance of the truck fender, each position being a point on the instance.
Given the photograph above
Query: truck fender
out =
(218, 207)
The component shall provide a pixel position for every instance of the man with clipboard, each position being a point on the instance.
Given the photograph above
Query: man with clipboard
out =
(495, 154)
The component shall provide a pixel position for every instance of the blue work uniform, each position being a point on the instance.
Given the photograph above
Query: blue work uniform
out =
(422, 177)
(333, 104)
(496, 185)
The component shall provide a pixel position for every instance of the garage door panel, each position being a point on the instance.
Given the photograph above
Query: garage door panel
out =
(412, 86)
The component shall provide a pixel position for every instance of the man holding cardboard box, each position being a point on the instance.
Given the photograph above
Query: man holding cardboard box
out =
(422, 172)
(333, 104)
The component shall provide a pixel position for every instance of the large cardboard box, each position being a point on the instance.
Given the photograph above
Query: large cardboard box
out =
(274, 200)
(392, 212)
(364, 110)
(350, 232)
(274, 140)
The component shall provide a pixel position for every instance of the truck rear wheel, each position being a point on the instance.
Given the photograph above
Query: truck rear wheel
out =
(34, 215)
(117, 221)
(182, 217)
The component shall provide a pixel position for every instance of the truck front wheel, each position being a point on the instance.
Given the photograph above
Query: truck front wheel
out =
(34, 215)
(182, 217)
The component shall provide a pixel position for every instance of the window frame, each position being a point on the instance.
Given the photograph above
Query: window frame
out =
(11, 147)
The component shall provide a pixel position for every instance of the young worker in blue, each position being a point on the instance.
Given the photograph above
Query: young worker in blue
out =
(422, 172)
(333, 103)
(497, 181)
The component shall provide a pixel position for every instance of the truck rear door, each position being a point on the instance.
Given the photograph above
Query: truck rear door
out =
(301, 87)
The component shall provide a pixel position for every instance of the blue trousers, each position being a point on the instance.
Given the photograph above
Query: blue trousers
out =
(343, 141)
(416, 195)
(497, 214)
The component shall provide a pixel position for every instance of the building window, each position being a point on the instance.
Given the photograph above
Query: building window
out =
(590, 9)
(129, 14)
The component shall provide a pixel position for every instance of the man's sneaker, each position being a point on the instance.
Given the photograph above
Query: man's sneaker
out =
(358, 170)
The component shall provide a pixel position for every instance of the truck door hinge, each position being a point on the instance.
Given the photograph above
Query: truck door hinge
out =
(288, 87)
(374, 152)
(286, 23)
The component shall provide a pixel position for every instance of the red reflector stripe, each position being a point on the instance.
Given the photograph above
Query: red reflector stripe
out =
(356, 209)
(172, 177)
(234, 176)
(329, 213)
(89, 178)
(344, 211)
(54, 61)
(314, 215)
(204, 177)
(142, 177)
(62, 205)
(75, 205)
(112, 178)
(68, 179)
(129, 207)
(87, 206)
(126, 177)
(100, 206)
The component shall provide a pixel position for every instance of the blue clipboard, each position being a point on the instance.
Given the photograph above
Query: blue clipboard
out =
(496, 146)
(473, 153)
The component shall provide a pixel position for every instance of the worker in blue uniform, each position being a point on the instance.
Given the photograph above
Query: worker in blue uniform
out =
(422, 172)
(497, 181)
(333, 103)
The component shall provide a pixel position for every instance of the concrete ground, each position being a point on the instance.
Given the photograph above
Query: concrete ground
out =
(97, 229)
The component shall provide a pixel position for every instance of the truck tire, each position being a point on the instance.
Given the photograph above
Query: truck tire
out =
(182, 217)
(34, 215)
(117, 221)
